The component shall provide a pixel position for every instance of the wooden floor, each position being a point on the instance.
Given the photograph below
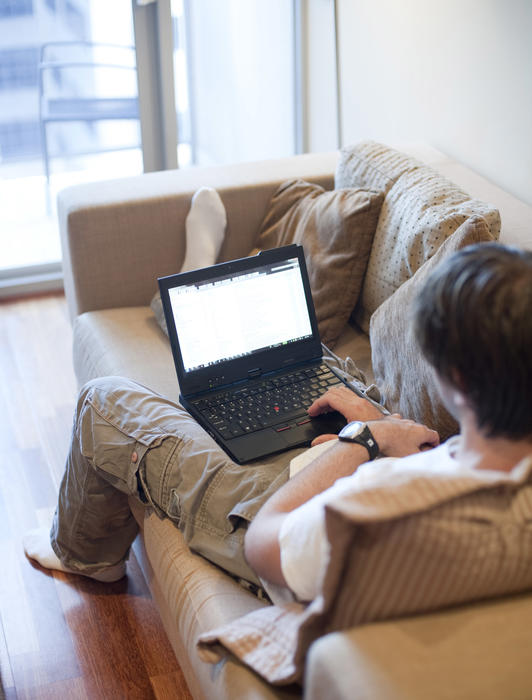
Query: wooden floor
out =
(61, 636)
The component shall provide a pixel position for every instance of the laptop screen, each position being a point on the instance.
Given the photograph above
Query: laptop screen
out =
(240, 313)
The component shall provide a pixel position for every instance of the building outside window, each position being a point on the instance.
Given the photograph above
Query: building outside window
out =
(28, 234)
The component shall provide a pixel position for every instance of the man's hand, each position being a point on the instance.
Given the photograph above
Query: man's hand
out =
(349, 404)
(398, 437)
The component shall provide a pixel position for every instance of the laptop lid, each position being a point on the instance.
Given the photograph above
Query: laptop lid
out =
(241, 319)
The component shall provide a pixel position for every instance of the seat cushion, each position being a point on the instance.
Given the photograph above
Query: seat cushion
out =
(124, 342)
(128, 342)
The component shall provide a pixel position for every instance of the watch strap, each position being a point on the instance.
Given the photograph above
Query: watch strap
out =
(366, 439)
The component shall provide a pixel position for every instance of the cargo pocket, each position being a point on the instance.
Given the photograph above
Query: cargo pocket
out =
(237, 494)
(115, 448)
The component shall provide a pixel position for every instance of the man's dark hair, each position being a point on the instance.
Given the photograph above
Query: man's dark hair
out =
(473, 320)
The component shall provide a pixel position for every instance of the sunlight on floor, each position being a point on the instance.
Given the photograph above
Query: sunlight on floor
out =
(29, 232)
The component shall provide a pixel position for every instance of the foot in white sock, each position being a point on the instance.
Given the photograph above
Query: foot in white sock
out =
(205, 229)
(38, 547)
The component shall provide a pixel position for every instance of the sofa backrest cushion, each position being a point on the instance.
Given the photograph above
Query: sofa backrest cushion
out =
(421, 209)
(405, 379)
(336, 230)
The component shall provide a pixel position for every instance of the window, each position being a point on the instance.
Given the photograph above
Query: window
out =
(18, 68)
(16, 8)
(19, 140)
(75, 18)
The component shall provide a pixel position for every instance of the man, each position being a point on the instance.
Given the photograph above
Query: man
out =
(475, 327)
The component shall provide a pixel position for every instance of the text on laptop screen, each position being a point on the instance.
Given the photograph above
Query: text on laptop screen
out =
(233, 316)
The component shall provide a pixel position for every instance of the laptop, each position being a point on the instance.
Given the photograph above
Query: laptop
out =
(248, 353)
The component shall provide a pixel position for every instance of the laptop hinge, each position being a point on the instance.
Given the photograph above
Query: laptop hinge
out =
(252, 373)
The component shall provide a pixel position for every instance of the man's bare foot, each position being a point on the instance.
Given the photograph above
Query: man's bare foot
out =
(37, 546)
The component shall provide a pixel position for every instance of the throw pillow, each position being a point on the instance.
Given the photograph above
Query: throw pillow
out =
(371, 164)
(336, 230)
(405, 378)
(156, 306)
(421, 209)
(400, 543)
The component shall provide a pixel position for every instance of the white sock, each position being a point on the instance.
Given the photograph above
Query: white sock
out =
(37, 546)
(205, 229)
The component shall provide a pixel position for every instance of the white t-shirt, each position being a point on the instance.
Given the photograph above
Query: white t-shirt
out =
(303, 540)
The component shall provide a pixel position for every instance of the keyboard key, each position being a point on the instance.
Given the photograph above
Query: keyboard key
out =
(267, 403)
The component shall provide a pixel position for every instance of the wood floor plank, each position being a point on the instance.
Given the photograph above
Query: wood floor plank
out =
(157, 655)
(109, 656)
(170, 686)
(19, 513)
(7, 682)
(72, 689)
(61, 636)
(17, 620)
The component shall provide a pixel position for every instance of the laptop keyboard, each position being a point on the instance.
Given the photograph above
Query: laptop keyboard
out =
(279, 401)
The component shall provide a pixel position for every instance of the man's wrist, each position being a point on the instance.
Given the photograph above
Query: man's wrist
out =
(359, 433)
(385, 432)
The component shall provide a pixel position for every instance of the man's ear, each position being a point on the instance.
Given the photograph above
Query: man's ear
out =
(452, 395)
(457, 381)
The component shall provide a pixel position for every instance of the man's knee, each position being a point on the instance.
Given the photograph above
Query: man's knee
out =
(105, 393)
(106, 385)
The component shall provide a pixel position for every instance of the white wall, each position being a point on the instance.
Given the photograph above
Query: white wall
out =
(453, 73)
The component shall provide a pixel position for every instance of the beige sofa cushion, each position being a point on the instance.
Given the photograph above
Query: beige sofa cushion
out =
(336, 230)
(404, 377)
(128, 342)
(421, 209)
(124, 342)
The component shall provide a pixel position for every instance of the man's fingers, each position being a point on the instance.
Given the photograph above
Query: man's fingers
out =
(335, 399)
(319, 406)
(433, 439)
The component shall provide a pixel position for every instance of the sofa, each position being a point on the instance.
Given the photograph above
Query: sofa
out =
(118, 237)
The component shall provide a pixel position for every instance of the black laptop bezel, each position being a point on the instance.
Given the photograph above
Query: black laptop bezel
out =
(248, 366)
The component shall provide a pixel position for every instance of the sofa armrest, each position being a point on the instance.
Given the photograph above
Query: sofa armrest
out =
(479, 652)
(119, 236)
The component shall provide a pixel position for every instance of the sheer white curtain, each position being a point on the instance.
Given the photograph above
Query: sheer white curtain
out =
(241, 80)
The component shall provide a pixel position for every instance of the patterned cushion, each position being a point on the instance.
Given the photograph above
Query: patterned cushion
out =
(336, 230)
(371, 164)
(404, 377)
(421, 209)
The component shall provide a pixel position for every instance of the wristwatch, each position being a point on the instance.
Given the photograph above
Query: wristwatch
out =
(358, 432)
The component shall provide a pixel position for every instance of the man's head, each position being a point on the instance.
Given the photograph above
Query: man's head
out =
(473, 321)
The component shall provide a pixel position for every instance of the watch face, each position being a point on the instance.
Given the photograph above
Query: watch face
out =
(352, 430)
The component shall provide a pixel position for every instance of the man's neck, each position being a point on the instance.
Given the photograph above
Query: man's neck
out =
(477, 451)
